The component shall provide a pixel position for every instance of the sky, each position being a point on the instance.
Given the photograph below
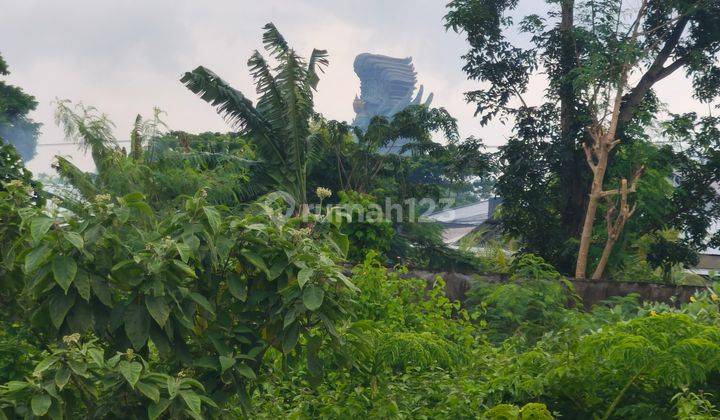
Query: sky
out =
(125, 57)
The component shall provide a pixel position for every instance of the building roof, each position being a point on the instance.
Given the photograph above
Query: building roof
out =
(473, 214)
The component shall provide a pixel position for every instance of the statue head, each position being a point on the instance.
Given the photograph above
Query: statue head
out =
(386, 87)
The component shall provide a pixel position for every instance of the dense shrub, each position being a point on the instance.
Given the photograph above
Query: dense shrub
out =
(368, 228)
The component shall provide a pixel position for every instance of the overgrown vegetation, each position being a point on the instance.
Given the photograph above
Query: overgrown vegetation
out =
(175, 282)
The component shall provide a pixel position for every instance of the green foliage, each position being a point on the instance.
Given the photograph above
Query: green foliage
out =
(532, 303)
(695, 406)
(165, 166)
(166, 286)
(400, 157)
(582, 48)
(13, 169)
(77, 378)
(16, 127)
(406, 347)
(280, 124)
(511, 412)
(210, 291)
(367, 227)
(18, 350)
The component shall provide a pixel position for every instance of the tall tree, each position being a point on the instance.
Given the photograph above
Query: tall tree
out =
(280, 123)
(15, 125)
(545, 182)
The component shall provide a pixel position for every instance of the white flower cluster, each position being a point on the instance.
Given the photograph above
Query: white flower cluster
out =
(323, 192)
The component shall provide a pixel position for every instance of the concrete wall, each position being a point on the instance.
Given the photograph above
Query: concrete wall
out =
(590, 291)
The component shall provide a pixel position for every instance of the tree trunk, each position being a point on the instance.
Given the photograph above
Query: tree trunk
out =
(602, 148)
(615, 227)
(572, 186)
(603, 142)
(600, 269)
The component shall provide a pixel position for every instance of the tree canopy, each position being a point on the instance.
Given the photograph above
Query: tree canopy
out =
(15, 125)
(583, 47)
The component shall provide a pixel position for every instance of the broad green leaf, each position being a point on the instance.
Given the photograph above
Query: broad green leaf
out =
(341, 241)
(304, 275)
(64, 270)
(172, 387)
(290, 338)
(58, 307)
(184, 251)
(328, 324)
(130, 371)
(128, 271)
(208, 401)
(150, 391)
(277, 269)
(97, 356)
(44, 365)
(313, 361)
(77, 366)
(202, 301)
(160, 339)
(346, 281)
(226, 362)
(142, 207)
(102, 290)
(290, 317)
(313, 297)
(192, 241)
(155, 410)
(245, 371)
(39, 227)
(132, 197)
(36, 258)
(213, 217)
(75, 239)
(50, 388)
(254, 259)
(82, 284)
(56, 412)
(137, 325)
(14, 386)
(123, 214)
(237, 287)
(40, 404)
(62, 376)
(158, 308)
(191, 382)
(185, 268)
(192, 400)
(113, 361)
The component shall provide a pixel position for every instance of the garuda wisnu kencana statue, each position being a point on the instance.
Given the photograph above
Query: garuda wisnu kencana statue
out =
(386, 87)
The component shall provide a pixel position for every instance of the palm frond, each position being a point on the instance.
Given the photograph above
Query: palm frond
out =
(229, 103)
(318, 60)
(298, 97)
(270, 103)
(274, 42)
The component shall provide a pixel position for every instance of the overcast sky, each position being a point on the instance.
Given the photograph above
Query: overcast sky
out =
(124, 57)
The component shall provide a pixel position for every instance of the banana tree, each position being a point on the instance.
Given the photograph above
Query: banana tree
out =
(280, 123)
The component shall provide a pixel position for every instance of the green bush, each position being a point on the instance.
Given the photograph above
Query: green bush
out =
(533, 302)
(368, 229)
